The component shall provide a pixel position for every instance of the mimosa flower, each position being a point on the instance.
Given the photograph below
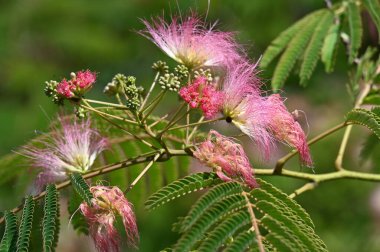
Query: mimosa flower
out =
(109, 202)
(286, 129)
(73, 148)
(191, 43)
(245, 107)
(226, 158)
(203, 95)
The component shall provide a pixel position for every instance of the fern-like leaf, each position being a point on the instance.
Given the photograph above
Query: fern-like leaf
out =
(10, 234)
(373, 7)
(25, 225)
(367, 118)
(280, 43)
(356, 29)
(50, 224)
(294, 50)
(189, 184)
(225, 229)
(227, 216)
(313, 50)
(329, 47)
(81, 187)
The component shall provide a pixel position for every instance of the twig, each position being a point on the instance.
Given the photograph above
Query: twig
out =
(196, 124)
(143, 172)
(306, 187)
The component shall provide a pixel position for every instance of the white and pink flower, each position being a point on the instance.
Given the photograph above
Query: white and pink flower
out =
(73, 148)
(191, 43)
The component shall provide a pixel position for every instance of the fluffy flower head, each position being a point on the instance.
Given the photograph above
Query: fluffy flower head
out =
(245, 107)
(203, 95)
(109, 202)
(73, 148)
(191, 43)
(227, 158)
(79, 83)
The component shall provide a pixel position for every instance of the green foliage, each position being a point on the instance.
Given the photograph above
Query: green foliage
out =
(280, 43)
(373, 7)
(25, 224)
(77, 220)
(50, 224)
(312, 52)
(228, 212)
(294, 50)
(329, 47)
(370, 119)
(181, 187)
(81, 187)
(9, 239)
(356, 29)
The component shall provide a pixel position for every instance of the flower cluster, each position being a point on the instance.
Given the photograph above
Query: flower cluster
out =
(109, 202)
(75, 87)
(73, 148)
(263, 118)
(79, 83)
(203, 95)
(226, 158)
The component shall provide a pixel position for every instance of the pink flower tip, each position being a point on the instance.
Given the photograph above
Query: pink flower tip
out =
(226, 158)
(286, 129)
(201, 94)
(109, 202)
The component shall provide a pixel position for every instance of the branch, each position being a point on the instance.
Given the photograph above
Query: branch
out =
(306, 187)
(109, 168)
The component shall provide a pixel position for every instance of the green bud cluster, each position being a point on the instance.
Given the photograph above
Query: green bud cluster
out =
(204, 72)
(116, 86)
(182, 72)
(51, 91)
(132, 93)
(80, 112)
(161, 67)
(170, 82)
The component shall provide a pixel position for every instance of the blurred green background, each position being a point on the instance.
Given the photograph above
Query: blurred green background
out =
(42, 40)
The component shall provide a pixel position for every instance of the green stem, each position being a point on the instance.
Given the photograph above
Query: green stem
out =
(150, 91)
(197, 123)
(306, 187)
(143, 172)
(153, 105)
(281, 162)
(109, 115)
(339, 159)
(105, 103)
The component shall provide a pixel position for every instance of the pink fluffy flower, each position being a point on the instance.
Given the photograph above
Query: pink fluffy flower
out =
(226, 157)
(286, 129)
(203, 95)
(191, 43)
(79, 83)
(73, 148)
(109, 202)
(245, 107)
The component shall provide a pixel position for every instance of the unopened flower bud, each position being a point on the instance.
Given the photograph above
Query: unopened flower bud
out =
(161, 67)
